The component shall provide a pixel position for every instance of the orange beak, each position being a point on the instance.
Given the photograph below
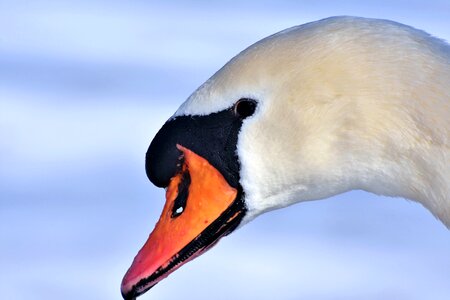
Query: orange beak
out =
(200, 208)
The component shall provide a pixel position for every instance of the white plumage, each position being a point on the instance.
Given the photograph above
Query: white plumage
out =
(343, 103)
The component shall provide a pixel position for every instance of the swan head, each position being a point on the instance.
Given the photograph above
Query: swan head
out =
(304, 114)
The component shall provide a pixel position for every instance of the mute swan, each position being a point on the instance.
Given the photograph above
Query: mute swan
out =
(312, 111)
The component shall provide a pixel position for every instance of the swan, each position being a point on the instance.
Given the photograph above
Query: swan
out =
(315, 110)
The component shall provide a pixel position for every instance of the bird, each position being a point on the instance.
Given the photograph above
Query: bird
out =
(315, 110)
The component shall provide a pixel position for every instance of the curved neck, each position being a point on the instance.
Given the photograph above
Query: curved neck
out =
(421, 174)
(399, 157)
(418, 175)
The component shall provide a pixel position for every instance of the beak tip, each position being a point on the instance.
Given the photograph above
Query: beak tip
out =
(125, 297)
(130, 287)
(127, 294)
(125, 291)
(126, 288)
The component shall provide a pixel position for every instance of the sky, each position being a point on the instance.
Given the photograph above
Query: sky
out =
(85, 85)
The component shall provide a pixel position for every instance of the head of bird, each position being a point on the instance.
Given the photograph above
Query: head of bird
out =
(281, 122)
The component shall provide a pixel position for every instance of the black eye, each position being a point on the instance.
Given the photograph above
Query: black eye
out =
(244, 108)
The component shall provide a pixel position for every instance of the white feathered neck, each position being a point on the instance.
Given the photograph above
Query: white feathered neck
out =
(343, 103)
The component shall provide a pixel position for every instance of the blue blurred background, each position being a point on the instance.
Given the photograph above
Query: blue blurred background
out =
(85, 85)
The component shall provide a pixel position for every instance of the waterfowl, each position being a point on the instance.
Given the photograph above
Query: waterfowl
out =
(310, 112)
